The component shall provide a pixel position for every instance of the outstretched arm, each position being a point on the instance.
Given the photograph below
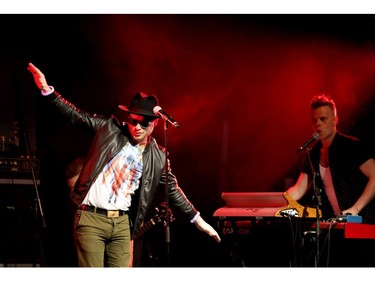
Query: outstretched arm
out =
(205, 227)
(39, 78)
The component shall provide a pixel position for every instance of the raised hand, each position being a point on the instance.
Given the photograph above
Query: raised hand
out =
(39, 78)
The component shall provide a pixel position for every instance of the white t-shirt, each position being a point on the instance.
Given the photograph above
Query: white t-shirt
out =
(119, 179)
(329, 189)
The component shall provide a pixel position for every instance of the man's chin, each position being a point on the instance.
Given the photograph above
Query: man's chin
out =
(138, 138)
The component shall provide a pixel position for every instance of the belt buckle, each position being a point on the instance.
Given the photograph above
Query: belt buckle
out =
(113, 214)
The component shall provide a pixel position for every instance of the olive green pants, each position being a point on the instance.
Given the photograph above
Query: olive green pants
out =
(102, 241)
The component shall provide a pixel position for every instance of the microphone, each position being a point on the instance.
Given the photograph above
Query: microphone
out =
(307, 143)
(159, 111)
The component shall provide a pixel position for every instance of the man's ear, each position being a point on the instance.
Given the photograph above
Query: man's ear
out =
(336, 120)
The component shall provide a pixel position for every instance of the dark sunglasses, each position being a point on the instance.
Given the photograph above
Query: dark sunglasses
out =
(144, 124)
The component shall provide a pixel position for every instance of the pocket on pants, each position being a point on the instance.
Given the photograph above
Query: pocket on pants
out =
(77, 218)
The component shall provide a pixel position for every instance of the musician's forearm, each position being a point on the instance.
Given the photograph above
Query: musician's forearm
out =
(299, 189)
(366, 197)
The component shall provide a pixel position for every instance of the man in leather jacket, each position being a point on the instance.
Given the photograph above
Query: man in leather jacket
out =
(120, 175)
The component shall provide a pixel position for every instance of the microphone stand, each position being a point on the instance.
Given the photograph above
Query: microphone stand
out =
(166, 206)
(38, 205)
(318, 203)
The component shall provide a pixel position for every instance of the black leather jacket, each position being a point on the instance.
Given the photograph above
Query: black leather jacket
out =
(110, 137)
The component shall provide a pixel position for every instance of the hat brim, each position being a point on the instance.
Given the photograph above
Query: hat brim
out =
(143, 113)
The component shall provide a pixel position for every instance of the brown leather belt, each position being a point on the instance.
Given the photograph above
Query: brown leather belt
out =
(100, 211)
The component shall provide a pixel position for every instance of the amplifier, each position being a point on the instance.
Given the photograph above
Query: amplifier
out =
(21, 165)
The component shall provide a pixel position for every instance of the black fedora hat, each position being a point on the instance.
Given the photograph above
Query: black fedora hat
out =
(142, 104)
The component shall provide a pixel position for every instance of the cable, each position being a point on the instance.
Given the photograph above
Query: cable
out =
(331, 222)
(327, 240)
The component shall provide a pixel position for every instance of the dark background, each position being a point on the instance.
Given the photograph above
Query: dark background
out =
(239, 85)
